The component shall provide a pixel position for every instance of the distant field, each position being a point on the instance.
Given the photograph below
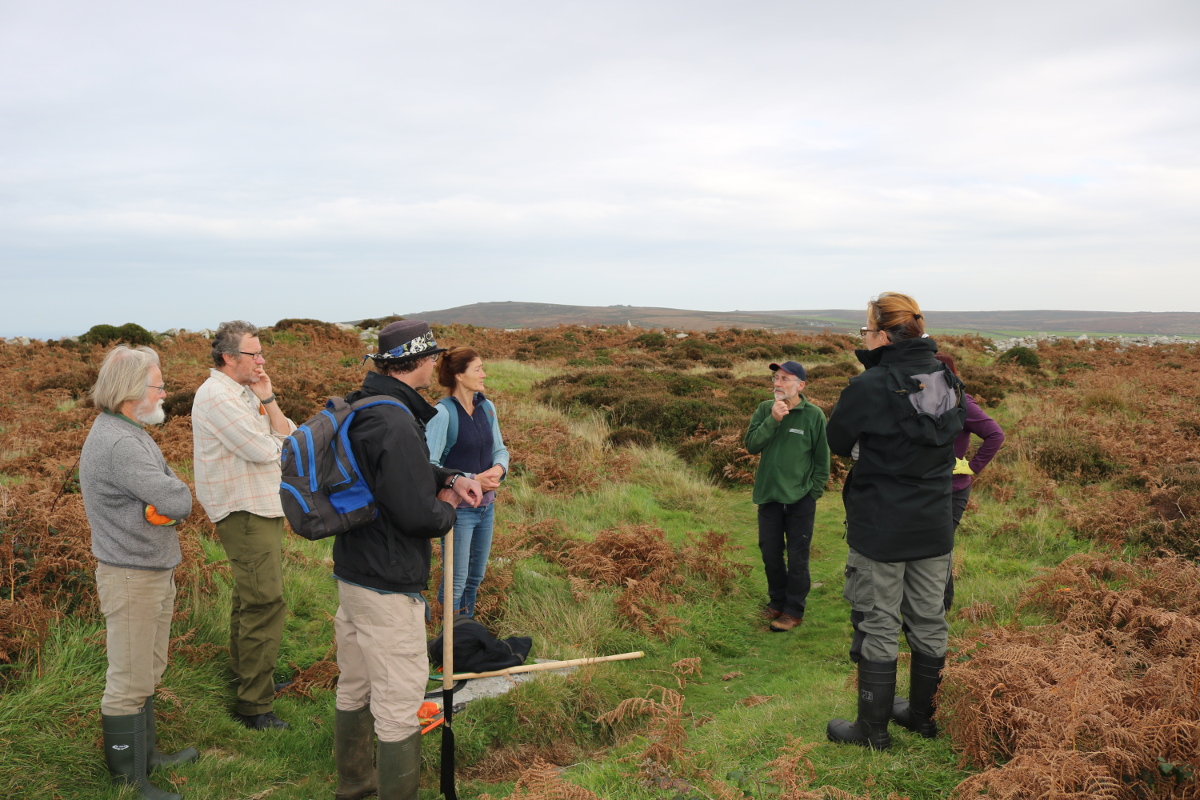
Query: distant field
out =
(1011, 334)
(986, 323)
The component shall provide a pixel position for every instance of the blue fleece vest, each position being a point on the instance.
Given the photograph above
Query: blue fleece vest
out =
(472, 450)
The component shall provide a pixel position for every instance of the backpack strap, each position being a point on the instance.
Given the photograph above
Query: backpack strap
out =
(344, 434)
(373, 400)
(451, 427)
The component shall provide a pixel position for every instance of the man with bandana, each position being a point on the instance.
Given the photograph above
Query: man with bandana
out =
(383, 567)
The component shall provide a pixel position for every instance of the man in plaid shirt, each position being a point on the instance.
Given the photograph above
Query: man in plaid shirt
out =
(238, 432)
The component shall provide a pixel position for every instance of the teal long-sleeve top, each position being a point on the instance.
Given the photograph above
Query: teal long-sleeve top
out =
(795, 453)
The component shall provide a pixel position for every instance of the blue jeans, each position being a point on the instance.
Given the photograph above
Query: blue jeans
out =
(472, 544)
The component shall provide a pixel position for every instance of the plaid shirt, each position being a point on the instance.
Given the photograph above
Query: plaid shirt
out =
(236, 451)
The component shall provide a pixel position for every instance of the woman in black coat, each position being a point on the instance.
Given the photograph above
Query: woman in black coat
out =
(898, 421)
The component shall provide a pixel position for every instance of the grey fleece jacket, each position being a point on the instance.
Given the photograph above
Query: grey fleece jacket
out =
(121, 471)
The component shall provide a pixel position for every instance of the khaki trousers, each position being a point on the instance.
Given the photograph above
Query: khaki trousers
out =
(382, 658)
(254, 546)
(137, 605)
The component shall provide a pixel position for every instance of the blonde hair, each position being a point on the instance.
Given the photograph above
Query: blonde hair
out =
(898, 315)
(124, 375)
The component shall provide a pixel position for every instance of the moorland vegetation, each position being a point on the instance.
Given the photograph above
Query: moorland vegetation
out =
(625, 525)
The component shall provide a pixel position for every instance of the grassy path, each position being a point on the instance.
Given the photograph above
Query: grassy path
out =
(779, 686)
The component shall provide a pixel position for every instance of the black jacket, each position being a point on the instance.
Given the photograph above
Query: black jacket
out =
(392, 552)
(903, 413)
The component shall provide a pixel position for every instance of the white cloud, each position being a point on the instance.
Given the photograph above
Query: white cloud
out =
(1045, 152)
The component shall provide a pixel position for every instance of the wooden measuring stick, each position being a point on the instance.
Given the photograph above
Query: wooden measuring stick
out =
(574, 662)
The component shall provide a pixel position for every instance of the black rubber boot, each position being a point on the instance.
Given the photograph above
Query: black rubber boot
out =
(916, 713)
(354, 754)
(400, 768)
(155, 759)
(126, 753)
(876, 691)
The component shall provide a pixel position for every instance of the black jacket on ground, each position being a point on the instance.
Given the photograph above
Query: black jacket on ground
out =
(476, 650)
(392, 552)
(903, 412)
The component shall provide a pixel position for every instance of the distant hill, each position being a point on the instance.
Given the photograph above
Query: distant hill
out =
(988, 323)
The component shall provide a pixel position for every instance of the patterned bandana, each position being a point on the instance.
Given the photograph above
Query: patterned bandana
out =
(417, 346)
(414, 347)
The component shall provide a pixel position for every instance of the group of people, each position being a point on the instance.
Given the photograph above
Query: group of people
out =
(433, 470)
(905, 423)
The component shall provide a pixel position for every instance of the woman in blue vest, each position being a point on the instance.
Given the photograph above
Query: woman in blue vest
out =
(466, 436)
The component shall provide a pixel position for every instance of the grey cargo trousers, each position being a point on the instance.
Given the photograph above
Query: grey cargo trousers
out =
(883, 595)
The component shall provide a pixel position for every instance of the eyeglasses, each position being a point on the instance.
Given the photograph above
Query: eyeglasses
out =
(161, 387)
(863, 331)
(434, 358)
(259, 354)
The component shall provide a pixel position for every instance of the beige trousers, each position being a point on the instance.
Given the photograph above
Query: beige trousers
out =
(137, 605)
(382, 658)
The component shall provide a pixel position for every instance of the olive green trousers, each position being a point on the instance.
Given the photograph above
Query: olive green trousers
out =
(254, 546)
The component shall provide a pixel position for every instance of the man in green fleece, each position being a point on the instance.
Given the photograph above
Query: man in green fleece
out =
(789, 431)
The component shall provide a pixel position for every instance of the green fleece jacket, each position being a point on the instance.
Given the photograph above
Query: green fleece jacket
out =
(795, 455)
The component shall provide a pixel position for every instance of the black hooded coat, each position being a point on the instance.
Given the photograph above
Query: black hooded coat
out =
(898, 420)
(392, 553)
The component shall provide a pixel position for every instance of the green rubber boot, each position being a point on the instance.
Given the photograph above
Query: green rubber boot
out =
(400, 768)
(126, 753)
(155, 759)
(354, 754)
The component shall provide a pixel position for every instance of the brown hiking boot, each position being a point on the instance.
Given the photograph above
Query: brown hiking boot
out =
(772, 613)
(785, 623)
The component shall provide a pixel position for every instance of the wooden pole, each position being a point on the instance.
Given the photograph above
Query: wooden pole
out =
(574, 662)
(449, 790)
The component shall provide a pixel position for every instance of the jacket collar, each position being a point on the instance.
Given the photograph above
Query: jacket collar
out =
(119, 415)
(228, 382)
(803, 402)
(904, 350)
(376, 384)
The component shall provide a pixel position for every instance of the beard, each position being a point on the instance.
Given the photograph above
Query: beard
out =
(150, 416)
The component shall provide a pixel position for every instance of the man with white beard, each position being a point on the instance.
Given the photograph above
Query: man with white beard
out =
(132, 500)
(789, 431)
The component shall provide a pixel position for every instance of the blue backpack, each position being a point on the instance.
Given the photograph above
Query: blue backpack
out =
(452, 429)
(322, 489)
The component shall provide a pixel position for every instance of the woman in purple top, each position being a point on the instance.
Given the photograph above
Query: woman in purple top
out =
(466, 436)
(983, 426)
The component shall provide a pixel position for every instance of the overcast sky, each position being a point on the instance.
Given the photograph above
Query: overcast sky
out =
(179, 164)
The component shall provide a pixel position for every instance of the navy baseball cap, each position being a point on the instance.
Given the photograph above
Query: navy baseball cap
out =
(791, 368)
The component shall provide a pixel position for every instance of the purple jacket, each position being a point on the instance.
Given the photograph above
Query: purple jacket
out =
(985, 428)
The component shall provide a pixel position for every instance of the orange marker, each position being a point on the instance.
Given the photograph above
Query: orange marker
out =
(155, 518)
